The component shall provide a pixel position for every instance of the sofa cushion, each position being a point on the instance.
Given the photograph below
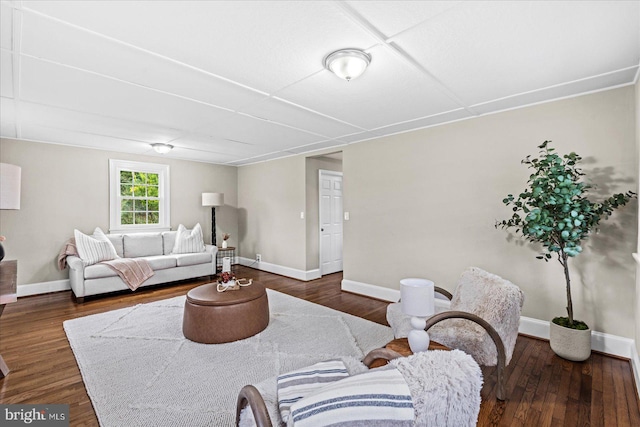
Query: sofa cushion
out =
(96, 271)
(116, 241)
(142, 244)
(192, 259)
(157, 262)
(168, 241)
(188, 241)
(161, 262)
(94, 249)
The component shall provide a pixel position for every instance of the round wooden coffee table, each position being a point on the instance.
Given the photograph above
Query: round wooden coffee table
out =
(401, 346)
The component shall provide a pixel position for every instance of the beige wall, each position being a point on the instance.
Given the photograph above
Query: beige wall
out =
(424, 204)
(313, 165)
(271, 197)
(67, 187)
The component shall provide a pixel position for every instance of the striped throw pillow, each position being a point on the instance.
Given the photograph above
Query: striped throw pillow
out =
(94, 249)
(188, 241)
(295, 385)
(379, 397)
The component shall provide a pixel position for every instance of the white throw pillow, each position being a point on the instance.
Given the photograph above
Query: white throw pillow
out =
(94, 249)
(376, 397)
(298, 384)
(188, 241)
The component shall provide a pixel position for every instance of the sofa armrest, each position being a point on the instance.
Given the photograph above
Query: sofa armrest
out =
(75, 263)
(211, 249)
(76, 275)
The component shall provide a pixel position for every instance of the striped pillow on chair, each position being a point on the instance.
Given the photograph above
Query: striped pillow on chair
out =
(297, 384)
(379, 397)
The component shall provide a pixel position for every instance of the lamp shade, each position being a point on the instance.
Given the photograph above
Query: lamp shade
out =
(9, 186)
(212, 199)
(417, 297)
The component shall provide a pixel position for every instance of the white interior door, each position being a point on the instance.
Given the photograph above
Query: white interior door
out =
(330, 222)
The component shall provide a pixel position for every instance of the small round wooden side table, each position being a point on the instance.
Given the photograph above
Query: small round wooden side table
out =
(401, 345)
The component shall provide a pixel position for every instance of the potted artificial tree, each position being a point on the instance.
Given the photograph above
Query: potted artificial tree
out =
(555, 212)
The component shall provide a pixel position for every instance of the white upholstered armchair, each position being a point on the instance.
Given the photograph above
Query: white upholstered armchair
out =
(442, 388)
(482, 321)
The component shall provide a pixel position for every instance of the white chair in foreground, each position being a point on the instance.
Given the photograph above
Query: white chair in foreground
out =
(432, 388)
(483, 320)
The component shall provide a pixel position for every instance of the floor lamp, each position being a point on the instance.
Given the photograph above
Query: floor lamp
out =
(213, 200)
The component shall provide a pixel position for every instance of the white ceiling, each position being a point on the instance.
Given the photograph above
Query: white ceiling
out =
(241, 82)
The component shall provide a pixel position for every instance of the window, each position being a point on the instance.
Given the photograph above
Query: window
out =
(139, 196)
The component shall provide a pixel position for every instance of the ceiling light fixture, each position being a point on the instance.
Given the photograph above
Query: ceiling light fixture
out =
(162, 148)
(347, 63)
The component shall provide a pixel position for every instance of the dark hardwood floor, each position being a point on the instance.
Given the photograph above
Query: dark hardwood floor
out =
(543, 389)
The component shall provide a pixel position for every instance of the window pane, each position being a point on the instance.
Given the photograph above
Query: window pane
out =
(139, 196)
(139, 178)
(154, 218)
(126, 190)
(126, 205)
(141, 205)
(126, 218)
(126, 176)
(140, 191)
(141, 217)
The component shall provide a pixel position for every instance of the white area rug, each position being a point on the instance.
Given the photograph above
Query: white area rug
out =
(139, 370)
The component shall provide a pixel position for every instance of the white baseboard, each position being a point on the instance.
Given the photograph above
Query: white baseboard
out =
(279, 269)
(377, 292)
(43, 287)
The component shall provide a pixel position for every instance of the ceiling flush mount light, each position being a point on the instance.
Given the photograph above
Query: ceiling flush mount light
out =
(162, 148)
(347, 63)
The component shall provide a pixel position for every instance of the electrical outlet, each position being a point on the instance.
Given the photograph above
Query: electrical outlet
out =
(258, 257)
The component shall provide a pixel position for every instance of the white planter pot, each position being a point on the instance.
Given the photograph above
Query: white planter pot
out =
(570, 344)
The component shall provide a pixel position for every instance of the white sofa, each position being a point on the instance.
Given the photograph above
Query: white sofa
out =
(156, 249)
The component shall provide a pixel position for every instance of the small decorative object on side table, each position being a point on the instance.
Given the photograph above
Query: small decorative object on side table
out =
(8, 294)
(229, 252)
(401, 345)
(417, 299)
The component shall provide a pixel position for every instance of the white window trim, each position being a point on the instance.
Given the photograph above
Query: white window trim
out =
(115, 166)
